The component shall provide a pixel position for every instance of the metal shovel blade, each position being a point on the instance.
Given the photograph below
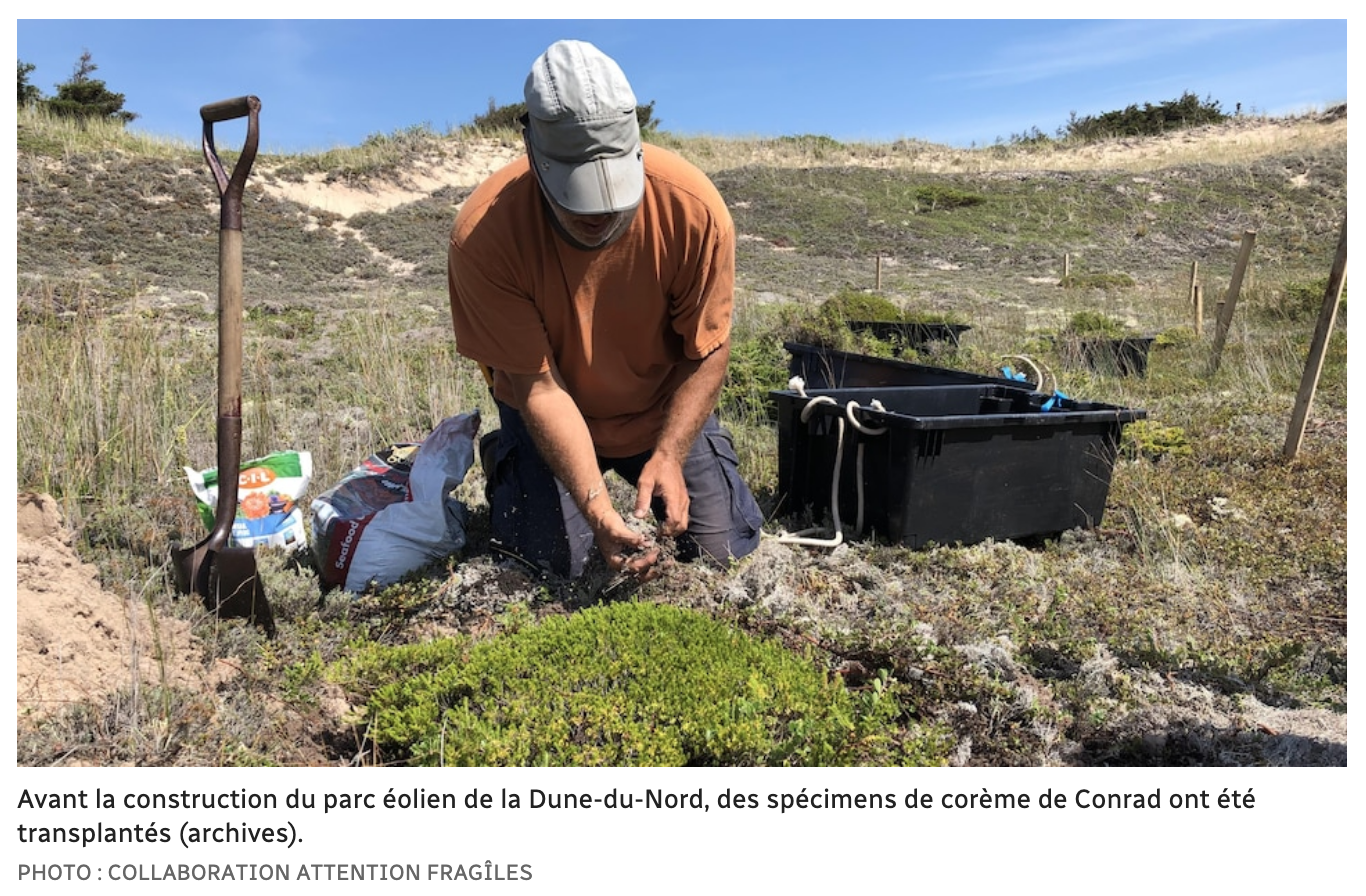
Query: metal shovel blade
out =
(235, 590)
(226, 579)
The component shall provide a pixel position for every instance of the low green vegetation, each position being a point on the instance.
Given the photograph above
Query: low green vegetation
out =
(870, 322)
(1154, 440)
(1301, 301)
(1095, 323)
(377, 156)
(625, 684)
(837, 216)
(1180, 336)
(854, 304)
(758, 364)
(941, 197)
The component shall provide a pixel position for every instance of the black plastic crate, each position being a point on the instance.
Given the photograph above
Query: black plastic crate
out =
(1127, 356)
(954, 464)
(828, 368)
(906, 334)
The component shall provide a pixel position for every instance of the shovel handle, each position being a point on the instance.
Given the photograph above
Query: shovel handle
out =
(230, 187)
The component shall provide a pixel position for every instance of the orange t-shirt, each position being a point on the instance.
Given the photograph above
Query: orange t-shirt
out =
(615, 320)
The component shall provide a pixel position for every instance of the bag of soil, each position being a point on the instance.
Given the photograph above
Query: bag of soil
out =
(268, 491)
(394, 513)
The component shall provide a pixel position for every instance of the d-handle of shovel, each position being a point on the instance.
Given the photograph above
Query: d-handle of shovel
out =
(230, 187)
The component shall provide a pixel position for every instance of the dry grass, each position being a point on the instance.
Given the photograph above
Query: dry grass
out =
(1243, 140)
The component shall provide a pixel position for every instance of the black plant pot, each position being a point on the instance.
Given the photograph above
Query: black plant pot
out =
(1127, 356)
(905, 335)
(823, 368)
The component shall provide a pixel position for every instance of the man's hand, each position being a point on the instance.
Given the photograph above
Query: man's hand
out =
(625, 549)
(662, 477)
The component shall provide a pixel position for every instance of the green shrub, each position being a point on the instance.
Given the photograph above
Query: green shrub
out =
(912, 316)
(943, 196)
(829, 325)
(758, 364)
(1188, 111)
(1095, 323)
(1175, 337)
(499, 118)
(818, 145)
(628, 684)
(1030, 138)
(855, 304)
(374, 664)
(1299, 301)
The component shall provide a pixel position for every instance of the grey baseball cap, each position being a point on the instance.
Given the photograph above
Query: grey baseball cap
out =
(582, 129)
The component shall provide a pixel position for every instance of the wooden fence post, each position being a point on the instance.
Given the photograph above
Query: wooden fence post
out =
(1230, 301)
(1196, 299)
(877, 282)
(1318, 349)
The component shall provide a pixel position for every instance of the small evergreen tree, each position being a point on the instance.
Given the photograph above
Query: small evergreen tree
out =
(84, 97)
(645, 114)
(28, 93)
(499, 118)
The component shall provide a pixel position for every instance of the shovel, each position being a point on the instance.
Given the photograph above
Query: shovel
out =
(226, 577)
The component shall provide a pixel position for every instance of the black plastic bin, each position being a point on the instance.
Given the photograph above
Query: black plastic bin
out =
(905, 334)
(956, 464)
(1117, 357)
(828, 368)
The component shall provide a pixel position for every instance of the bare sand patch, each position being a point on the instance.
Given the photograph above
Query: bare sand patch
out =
(77, 641)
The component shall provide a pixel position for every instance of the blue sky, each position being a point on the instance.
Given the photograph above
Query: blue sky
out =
(326, 83)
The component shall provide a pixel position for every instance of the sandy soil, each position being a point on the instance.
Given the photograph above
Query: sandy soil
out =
(466, 169)
(77, 641)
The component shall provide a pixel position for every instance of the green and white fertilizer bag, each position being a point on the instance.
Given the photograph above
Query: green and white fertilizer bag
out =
(268, 493)
(395, 513)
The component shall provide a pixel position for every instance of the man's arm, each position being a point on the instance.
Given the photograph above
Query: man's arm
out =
(696, 385)
(561, 435)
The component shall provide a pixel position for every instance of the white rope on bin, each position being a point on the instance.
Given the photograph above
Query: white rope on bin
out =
(806, 537)
(1038, 377)
(1041, 372)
